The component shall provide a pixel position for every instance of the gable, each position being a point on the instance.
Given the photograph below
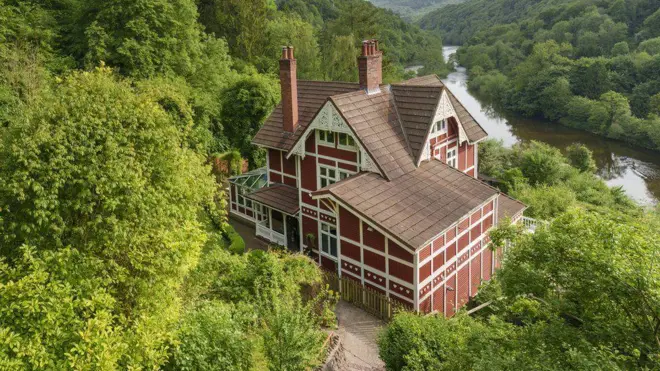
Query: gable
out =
(329, 118)
(444, 110)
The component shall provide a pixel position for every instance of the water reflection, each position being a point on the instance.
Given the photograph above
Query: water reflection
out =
(636, 170)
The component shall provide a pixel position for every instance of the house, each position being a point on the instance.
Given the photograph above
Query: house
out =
(377, 183)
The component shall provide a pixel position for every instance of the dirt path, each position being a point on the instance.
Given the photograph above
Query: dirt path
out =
(358, 331)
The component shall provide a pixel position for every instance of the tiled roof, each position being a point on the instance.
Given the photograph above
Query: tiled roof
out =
(374, 120)
(416, 106)
(508, 207)
(278, 196)
(415, 207)
(311, 97)
(473, 130)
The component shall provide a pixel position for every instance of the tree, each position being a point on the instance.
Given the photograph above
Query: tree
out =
(102, 168)
(651, 46)
(241, 22)
(143, 38)
(540, 163)
(245, 106)
(581, 157)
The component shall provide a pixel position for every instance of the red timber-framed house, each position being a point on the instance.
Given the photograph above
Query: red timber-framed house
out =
(378, 183)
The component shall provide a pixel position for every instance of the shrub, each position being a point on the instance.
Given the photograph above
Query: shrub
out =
(212, 337)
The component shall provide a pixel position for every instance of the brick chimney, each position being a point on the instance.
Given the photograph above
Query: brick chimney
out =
(289, 85)
(370, 66)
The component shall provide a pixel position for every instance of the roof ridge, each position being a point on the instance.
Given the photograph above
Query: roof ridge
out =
(403, 130)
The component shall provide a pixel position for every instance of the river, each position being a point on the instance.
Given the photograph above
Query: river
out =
(636, 170)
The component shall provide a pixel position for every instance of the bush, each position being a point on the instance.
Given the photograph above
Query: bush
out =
(546, 202)
(581, 157)
(236, 242)
(212, 337)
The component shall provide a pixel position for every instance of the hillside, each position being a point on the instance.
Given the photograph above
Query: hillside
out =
(413, 9)
(588, 64)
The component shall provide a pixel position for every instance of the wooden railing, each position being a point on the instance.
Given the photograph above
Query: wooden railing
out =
(531, 224)
(363, 297)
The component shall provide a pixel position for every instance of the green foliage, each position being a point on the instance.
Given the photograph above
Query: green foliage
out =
(212, 336)
(548, 182)
(100, 166)
(581, 157)
(571, 61)
(246, 105)
(291, 339)
(545, 202)
(236, 243)
(142, 38)
(266, 291)
(56, 317)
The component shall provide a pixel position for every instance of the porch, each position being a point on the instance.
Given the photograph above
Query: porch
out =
(276, 210)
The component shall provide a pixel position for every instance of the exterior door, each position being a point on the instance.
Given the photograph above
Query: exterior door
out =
(292, 234)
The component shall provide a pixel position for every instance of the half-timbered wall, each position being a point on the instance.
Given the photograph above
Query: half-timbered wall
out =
(377, 261)
(453, 265)
(281, 169)
(314, 212)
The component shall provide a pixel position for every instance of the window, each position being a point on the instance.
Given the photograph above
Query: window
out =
(327, 175)
(440, 126)
(263, 215)
(329, 239)
(346, 141)
(240, 197)
(278, 221)
(330, 175)
(451, 158)
(326, 138)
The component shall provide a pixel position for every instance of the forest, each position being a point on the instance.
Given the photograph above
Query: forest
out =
(591, 65)
(115, 251)
(412, 10)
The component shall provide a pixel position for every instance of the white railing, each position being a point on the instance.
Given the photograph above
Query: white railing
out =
(271, 235)
(532, 224)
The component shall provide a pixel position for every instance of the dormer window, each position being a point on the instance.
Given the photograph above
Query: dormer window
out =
(439, 126)
(326, 138)
(346, 141)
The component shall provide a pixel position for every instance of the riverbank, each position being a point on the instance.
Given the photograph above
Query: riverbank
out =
(636, 170)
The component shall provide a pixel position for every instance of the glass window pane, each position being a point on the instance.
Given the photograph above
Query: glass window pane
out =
(332, 173)
(278, 222)
(324, 243)
(333, 246)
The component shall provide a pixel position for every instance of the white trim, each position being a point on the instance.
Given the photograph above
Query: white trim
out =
(396, 280)
(481, 206)
(371, 249)
(348, 208)
(460, 235)
(335, 159)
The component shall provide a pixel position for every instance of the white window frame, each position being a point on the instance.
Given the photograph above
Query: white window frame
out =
(326, 231)
(443, 126)
(340, 174)
(452, 157)
(322, 138)
(241, 200)
(350, 145)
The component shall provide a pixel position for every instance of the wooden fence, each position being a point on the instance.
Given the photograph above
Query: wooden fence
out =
(363, 297)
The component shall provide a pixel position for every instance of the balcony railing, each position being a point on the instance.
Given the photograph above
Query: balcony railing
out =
(532, 224)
